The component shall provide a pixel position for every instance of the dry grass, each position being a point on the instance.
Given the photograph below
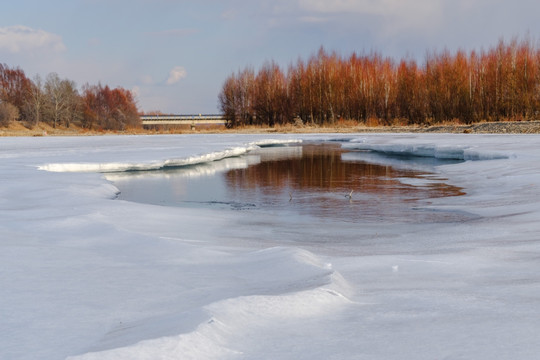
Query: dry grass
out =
(42, 129)
(340, 126)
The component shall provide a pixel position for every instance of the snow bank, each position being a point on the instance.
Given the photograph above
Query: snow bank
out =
(229, 320)
(88, 277)
(167, 163)
(156, 165)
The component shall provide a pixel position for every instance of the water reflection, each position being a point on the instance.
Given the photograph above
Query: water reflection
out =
(320, 183)
(314, 180)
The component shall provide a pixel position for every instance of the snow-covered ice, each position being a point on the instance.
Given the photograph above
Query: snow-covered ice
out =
(86, 276)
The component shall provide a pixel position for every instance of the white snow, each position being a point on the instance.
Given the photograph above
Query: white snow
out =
(85, 276)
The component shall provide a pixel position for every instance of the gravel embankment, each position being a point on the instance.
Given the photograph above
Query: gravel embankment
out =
(505, 127)
(514, 127)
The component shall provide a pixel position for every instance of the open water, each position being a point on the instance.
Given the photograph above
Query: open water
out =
(321, 181)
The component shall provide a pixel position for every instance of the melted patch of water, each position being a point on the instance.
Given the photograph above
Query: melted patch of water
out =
(318, 180)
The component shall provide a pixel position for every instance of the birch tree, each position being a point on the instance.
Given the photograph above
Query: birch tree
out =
(60, 97)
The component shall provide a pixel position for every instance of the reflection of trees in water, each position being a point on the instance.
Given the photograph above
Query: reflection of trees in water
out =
(320, 169)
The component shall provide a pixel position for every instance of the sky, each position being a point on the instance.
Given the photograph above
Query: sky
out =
(175, 54)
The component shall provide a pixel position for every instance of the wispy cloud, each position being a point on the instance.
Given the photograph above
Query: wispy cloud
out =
(230, 14)
(176, 74)
(146, 80)
(314, 19)
(379, 7)
(19, 38)
(399, 13)
(175, 32)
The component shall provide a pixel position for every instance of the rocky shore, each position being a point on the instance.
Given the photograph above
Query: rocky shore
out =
(513, 127)
(505, 127)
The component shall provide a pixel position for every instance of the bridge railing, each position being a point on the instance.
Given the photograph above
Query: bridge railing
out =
(192, 120)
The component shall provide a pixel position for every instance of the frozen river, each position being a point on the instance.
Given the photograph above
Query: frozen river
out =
(320, 180)
(451, 271)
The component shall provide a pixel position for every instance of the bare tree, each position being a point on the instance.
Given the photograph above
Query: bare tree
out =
(35, 101)
(62, 100)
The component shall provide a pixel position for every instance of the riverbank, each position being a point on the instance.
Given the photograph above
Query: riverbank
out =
(506, 127)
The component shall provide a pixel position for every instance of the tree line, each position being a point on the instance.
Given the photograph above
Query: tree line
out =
(58, 102)
(500, 83)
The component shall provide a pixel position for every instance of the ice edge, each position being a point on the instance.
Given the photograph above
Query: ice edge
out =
(428, 150)
(162, 164)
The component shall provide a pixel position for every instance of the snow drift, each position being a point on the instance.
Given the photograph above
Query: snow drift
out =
(84, 276)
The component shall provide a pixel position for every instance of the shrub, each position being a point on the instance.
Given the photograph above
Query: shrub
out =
(8, 113)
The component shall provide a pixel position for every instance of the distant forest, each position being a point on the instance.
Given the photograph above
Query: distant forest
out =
(57, 102)
(500, 83)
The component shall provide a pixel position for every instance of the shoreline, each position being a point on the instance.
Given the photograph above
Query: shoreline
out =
(505, 127)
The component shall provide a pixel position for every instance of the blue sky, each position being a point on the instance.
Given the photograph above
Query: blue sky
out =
(175, 54)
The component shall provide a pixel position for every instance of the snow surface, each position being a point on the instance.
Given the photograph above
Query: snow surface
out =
(85, 276)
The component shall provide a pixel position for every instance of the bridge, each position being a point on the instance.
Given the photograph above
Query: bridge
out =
(191, 120)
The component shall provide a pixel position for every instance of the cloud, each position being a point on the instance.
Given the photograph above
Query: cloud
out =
(136, 91)
(229, 14)
(313, 19)
(176, 74)
(94, 42)
(174, 33)
(19, 39)
(399, 13)
(377, 7)
(146, 80)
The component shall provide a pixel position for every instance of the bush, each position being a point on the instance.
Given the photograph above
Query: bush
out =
(8, 113)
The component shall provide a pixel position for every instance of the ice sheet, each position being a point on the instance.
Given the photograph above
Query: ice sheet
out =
(85, 276)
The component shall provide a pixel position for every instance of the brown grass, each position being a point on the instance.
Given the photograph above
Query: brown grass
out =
(42, 129)
(340, 126)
